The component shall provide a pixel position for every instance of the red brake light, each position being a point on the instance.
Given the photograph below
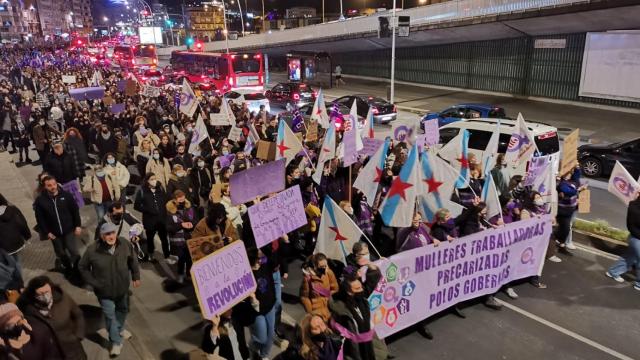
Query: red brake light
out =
(162, 77)
(144, 78)
(338, 124)
(230, 81)
(203, 76)
(133, 61)
(315, 93)
(155, 61)
(233, 56)
(375, 111)
(296, 96)
(257, 56)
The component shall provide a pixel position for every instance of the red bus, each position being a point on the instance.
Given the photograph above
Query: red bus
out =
(221, 71)
(145, 56)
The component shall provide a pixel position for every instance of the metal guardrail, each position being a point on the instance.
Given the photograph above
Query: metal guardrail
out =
(445, 11)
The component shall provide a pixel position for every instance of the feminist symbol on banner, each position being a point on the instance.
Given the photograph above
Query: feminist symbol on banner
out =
(516, 142)
(392, 317)
(390, 294)
(407, 289)
(527, 256)
(186, 99)
(402, 133)
(623, 186)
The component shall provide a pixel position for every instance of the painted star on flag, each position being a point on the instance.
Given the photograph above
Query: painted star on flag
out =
(282, 148)
(398, 187)
(464, 162)
(433, 184)
(339, 237)
(378, 175)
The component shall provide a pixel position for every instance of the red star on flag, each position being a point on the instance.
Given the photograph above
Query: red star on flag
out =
(433, 184)
(282, 147)
(326, 150)
(339, 237)
(464, 162)
(319, 111)
(398, 187)
(378, 175)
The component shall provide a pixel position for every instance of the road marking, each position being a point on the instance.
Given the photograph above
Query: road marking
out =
(565, 331)
(595, 251)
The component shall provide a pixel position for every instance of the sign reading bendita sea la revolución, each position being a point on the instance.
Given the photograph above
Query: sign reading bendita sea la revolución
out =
(424, 281)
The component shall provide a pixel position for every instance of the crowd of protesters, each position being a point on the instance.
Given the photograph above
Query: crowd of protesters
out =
(138, 170)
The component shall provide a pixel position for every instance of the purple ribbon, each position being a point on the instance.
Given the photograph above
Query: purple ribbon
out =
(320, 290)
(356, 338)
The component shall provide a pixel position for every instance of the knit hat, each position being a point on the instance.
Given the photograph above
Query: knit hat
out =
(7, 311)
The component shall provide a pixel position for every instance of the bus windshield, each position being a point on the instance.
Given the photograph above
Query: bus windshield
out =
(144, 51)
(246, 65)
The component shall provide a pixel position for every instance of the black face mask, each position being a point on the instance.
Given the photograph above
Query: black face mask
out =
(318, 338)
(13, 332)
(117, 217)
(359, 296)
(321, 271)
(180, 206)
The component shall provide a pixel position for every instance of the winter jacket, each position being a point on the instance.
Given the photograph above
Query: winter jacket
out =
(119, 174)
(151, 204)
(315, 292)
(343, 315)
(124, 226)
(203, 229)
(108, 145)
(93, 187)
(201, 182)
(234, 213)
(633, 218)
(109, 275)
(79, 146)
(160, 168)
(175, 217)
(42, 135)
(10, 275)
(186, 160)
(183, 184)
(66, 320)
(61, 167)
(14, 229)
(44, 343)
(57, 214)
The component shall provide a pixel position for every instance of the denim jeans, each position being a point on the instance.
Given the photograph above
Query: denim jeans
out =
(262, 333)
(630, 258)
(115, 314)
(66, 249)
(573, 221)
(101, 209)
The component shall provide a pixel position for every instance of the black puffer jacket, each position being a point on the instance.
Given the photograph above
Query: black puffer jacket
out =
(151, 204)
(633, 218)
(14, 229)
(61, 167)
(58, 214)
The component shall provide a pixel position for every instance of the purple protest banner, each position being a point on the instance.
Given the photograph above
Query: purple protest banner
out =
(87, 93)
(349, 142)
(257, 181)
(421, 282)
(278, 215)
(370, 146)
(431, 132)
(122, 84)
(537, 167)
(117, 108)
(222, 279)
(225, 160)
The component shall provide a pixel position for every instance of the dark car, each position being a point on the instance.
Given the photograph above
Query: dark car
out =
(306, 111)
(465, 111)
(383, 111)
(287, 95)
(151, 77)
(599, 160)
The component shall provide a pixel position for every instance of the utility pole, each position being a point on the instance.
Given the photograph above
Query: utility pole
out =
(393, 53)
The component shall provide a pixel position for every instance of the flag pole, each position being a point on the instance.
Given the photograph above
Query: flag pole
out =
(349, 189)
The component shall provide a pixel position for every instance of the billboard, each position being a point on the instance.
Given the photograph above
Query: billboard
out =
(150, 35)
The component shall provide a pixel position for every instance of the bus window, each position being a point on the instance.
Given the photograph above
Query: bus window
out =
(144, 51)
(241, 65)
(223, 68)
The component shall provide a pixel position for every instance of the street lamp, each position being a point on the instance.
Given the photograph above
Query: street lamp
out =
(105, 19)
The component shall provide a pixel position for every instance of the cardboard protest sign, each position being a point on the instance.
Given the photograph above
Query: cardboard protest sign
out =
(69, 79)
(235, 134)
(419, 283)
(257, 181)
(87, 93)
(202, 246)
(278, 215)
(131, 88)
(371, 145)
(584, 202)
(312, 131)
(107, 100)
(431, 134)
(222, 279)
(569, 152)
(150, 91)
(266, 150)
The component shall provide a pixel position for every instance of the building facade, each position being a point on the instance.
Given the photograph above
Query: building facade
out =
(205, 21)
(19, 20)
(300, 12)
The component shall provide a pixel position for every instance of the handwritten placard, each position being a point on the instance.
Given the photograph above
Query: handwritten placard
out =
(370, 146)
(234, 134)
(69, 79)
(257, 181)
(150, 91)
(222, 279)
(277, 216)
(202, 246)
(584, 202)
(569, 152)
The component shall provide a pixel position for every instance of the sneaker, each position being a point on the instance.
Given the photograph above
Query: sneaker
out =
(170, 261)
(570, 246)
(492, 303)
(617, 278)
(116, 349)
(555, 259)
(180, 279)
(565, 251)
(511, 293)
(637, 287)
(281, 343)
(126, 334)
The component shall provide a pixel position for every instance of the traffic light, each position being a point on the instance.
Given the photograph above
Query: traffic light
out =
(383, 29)
(189, 42)
(199, 46)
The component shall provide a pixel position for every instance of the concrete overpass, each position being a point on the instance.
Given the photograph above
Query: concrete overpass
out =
(448, 22)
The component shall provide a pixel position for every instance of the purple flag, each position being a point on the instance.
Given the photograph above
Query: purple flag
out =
(257, 181)
(117, 108)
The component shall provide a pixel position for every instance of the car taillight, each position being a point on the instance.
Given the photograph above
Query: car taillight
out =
(133, 61)
(375, 111)
(296, 96)
(162, 77)
(155, 61)
(203, 76)
(144, 78)
(231, 81)
(395, 108)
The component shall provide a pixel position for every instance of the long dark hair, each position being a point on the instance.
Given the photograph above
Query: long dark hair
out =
(216, 211)
(28, 296)
(3, 201)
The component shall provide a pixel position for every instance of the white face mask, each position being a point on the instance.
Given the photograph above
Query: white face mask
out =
(100, 173)
(181, 174)
(201, 164)
(538, 202)
(111, 161)
(156, 156)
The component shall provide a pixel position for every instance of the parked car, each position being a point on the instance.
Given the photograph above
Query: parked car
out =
(287, 95)
(465, 111)
(383, 111)
(306, 111)
(599, 160)
(150, 77)
(253, 99)
(480, 131)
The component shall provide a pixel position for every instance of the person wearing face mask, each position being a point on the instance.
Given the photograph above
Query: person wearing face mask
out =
(234, 212)
(124, 220)
(263, 328)
(179, 180)
(73, 139)
(180, 220)
(21, 340)
(351, 317)
(150, 200)
(241, 162)
(216, 224)
(102, 189)
(160, 167)
(110, 266)
(45, 303)
(318, 341)
(415, 236)
(201, 181)
(318, 285)
(182, 157)
(293, 175)
(118, 172)
(42, 135)
(106, 142)
(144, 133)
(569, 189)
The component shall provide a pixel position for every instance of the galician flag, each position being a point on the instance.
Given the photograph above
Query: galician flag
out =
(490, 197)
(438, 179)
(319, 112)
(188, 100)
(399, 205)
(521, 145)
(463, 160)
(327, 152)
(369, 177)
(287, 144)
(367, 130)
(337, 232)
(491, 151)
(622, 185)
